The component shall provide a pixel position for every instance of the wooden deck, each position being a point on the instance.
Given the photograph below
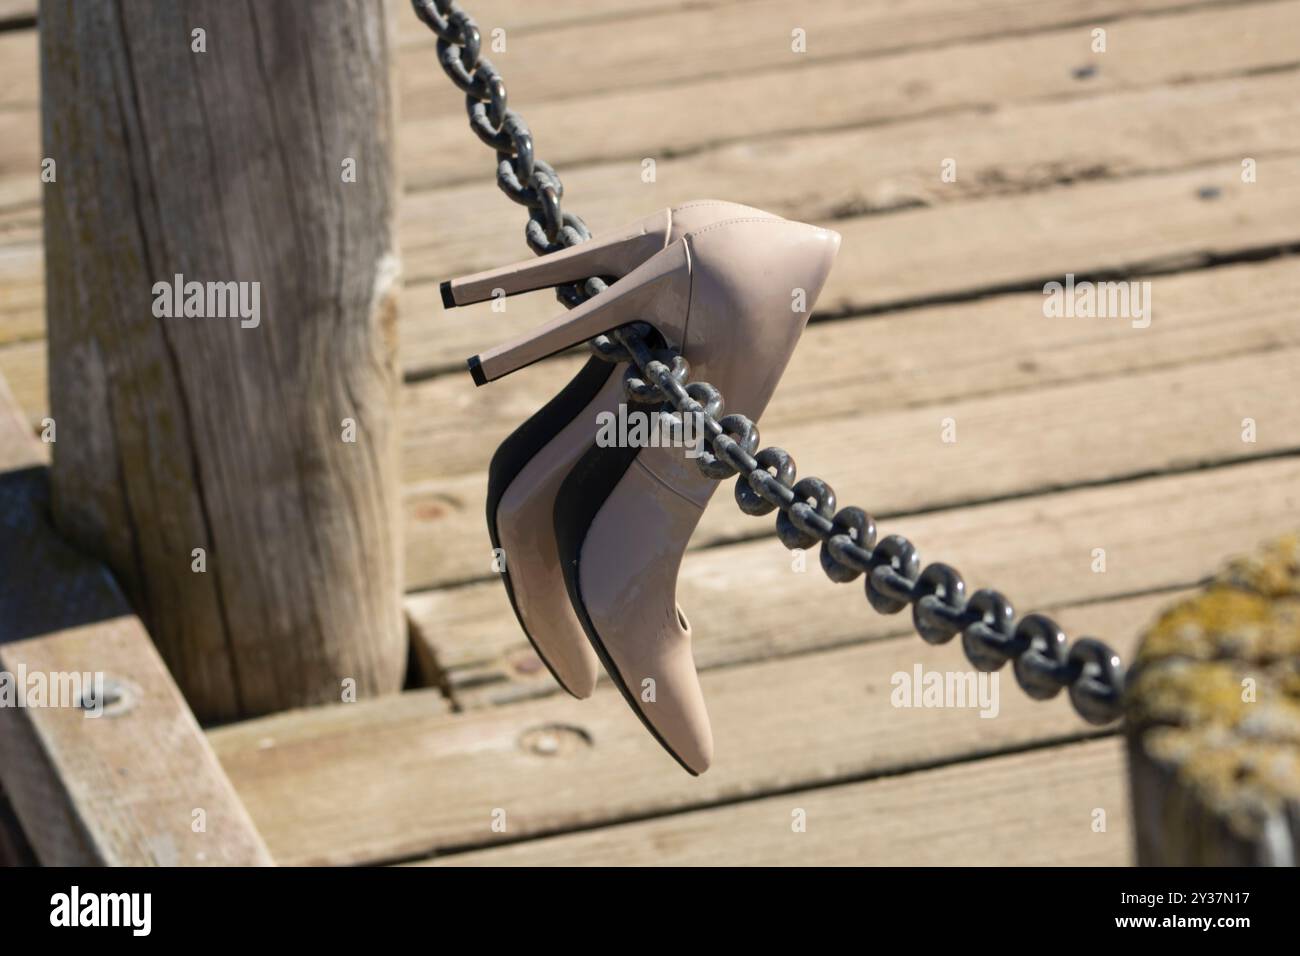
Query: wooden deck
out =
(1073, 434)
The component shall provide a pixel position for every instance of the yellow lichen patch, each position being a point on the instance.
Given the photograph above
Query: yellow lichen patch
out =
(1214, 694)
(1186, 693)
(1198, 627)
(1274, 571)
(1250, 612)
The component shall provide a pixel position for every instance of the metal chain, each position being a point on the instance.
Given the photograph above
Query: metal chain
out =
(1044, 659)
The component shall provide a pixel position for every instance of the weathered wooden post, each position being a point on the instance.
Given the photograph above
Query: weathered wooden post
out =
(1213, 721)
(221, 275)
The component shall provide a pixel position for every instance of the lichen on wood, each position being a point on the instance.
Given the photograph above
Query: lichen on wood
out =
(1213, 719)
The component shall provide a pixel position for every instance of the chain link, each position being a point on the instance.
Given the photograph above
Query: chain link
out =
(1044, 661)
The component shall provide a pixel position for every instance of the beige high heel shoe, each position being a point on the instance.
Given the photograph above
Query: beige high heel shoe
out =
(529, 466)
(725, 297)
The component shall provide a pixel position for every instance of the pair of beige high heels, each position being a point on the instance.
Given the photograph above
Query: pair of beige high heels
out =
(593, 536)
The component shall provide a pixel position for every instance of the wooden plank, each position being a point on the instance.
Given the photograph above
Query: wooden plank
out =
(20, 71)
(557, 764)
(124, 787)
(18, 448)
(20, 127)
(23, 364)
(1157, 533)
(11, 10)
(20, 158)
(521, 19)
(1004, 343)
(118, 790)
(991, 245)
(967, 815)
(743, 39)
(1010, 67)
(826, 177)
(22, 280)
(1007, 444)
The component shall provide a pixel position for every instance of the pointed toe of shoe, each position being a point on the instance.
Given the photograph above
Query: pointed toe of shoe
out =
(827, 243)
(562, 647)
(820, 248)
(579, 677)
(683, 721)
(694, 751)
(674, 711)
(681, 725)
(834, 239)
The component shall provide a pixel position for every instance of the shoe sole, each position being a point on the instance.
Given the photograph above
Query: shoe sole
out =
(522, 446)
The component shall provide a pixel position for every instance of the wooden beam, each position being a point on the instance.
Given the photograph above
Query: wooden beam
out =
(137, 784)
(264, 440)
(972, 814)
(1213, 720)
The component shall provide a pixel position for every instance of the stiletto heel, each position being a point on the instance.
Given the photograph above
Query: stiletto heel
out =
(616, 255)
(530, 465)
(665, 274)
